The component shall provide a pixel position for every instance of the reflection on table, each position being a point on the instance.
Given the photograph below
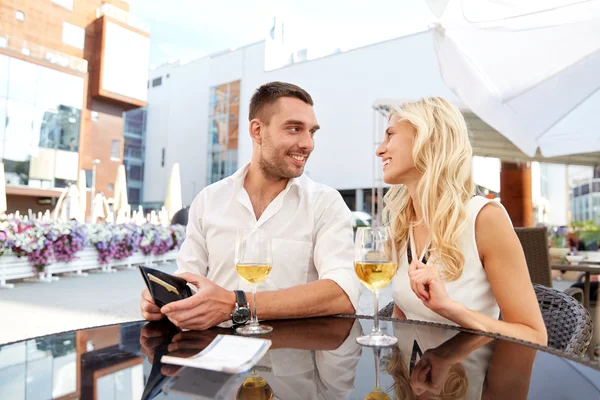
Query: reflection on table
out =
(309, 359)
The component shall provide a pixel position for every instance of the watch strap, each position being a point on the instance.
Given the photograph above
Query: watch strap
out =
(240, 298)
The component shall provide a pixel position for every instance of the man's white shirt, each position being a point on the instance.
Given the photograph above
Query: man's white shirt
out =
(309, 225)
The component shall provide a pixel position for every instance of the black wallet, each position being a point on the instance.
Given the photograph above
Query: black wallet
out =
(165, 288)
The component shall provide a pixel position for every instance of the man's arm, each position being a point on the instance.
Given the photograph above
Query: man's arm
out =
(313, 299)
(338, 290)
(193, 254)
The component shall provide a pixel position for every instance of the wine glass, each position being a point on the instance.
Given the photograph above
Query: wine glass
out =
(254, 387)
(375, 263)
(253, 262)
(377, 393)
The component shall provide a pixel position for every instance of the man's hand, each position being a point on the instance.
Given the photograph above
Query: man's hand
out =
(150, 338)
(208, 307)
(150, 311)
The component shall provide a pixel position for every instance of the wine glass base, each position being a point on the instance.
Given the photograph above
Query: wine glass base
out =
(376, 340)
(250, 330)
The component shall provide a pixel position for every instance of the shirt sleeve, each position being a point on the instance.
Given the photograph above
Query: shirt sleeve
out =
(337, 368)
(334, 245)
(193, 255)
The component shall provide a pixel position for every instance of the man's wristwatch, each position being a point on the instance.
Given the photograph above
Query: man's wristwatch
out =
(241, 312)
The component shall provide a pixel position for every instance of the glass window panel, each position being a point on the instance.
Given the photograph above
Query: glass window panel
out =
(88, 178)
(65, 365)
(105, 387)
(12, 355)
(19, 122)
(135, 122)
(22, 81)
(137, 382)
(123, 384)
(3, 120)
(135, 172)
(4, 68)
(55, 88)
(62, 183)
(39, 379)
(115, 149)
(12, 381)
(16, 161)
(133, 195)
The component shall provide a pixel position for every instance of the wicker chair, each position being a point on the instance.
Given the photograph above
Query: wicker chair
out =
(535, 246)
(568, 323)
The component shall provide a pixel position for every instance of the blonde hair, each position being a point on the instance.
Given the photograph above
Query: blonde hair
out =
(454, 388)
(442, 155)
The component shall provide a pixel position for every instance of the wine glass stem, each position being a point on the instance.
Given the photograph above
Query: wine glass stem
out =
(376, 354)
(254, 316)
(376, 312)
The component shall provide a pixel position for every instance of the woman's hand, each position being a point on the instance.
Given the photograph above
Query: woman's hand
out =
(430, 373)
(426, 282)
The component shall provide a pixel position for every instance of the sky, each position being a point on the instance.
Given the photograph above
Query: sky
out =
(188, 29)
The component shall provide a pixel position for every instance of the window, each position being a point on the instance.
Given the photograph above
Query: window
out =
(135, 173)
(20, 15)
(68, 4)
(157, 81)
(59, 129)
(89, 177)
(73, 35)
(62, 183)
(94, 115)
(162, 158)
(111, 187)
(133, 195)
(115, 150)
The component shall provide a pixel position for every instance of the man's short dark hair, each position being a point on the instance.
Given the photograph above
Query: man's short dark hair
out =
(269, 93)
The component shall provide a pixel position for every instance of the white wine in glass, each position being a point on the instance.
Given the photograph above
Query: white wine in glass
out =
(377, 393)
(253, 263)
(375, 263)
(254, 388)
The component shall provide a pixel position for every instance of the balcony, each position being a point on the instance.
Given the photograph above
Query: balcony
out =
(42, 53)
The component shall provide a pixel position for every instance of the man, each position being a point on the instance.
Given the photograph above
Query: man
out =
(308, 223)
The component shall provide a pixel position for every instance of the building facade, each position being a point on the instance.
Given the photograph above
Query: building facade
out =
(585, 201)
(190, 121)
(134, 135)
(66, 77)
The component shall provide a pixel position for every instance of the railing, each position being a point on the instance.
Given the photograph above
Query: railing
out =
(42, 53)
(14, 268)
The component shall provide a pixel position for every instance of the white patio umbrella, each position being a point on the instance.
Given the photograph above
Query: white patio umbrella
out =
(98, 207)
(72, 204)
(2, 190)
(121, 203)
(530, 69)
(173, 201)
(81, 187)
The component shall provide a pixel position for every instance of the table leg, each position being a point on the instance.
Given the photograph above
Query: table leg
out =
(586, 291)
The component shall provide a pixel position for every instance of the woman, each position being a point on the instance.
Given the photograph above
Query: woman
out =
(460, 260)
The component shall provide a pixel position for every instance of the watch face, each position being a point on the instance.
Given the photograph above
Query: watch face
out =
(240, 315)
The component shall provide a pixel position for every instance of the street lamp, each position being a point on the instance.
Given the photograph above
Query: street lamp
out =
(94, 163)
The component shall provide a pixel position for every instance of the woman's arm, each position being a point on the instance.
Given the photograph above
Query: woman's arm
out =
(506, 268)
